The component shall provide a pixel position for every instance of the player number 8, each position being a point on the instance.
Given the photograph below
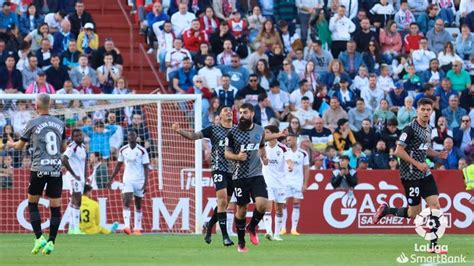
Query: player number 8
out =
(51, 143)
(217, 178)
(414, 191)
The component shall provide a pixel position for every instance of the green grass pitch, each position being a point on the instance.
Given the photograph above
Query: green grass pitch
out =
(157, 249)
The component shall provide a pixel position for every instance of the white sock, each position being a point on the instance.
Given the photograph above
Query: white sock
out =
(126, 217)
(230, 221)
(72, 218)
(77, 217)
(267, 219)
(283, 221)
(278, 223)
(137, 220)
(295, 217)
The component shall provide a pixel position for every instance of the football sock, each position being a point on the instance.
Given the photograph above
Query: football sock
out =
(256, 218)
(55, 221)
(295, 216)
(222, 217)
(400, 212)
(213, 219)
(35, 219)
(126, 217)
(76, 217)
(230, 221)
(284, 216)
(137, 220)
(267, 219)
(240, 224)
(278, 223)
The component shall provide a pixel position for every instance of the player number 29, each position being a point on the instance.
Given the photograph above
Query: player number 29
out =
(414, 191)
(51, 143)
(217, 178)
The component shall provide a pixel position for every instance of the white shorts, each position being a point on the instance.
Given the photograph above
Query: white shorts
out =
(277, 194)
(294, 192)
(133, 187)
(76, 186)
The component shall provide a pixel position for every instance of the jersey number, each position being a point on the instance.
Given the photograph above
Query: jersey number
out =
(85, 215)
(238, 192)
(414, 191)
(217, 178)
(51, 143)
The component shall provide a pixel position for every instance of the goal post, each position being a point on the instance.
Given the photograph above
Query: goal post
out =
(167, 208)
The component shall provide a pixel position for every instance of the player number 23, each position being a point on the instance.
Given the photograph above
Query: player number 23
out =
(414, 191)
(217, 178)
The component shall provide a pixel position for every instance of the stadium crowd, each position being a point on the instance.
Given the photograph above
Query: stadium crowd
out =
(345, 75)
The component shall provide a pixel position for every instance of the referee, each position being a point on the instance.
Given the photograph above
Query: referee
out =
(46, 135)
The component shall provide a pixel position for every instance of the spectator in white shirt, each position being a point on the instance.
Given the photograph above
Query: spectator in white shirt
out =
(280, 99)
(182, 19)
(67, 89)
(306, 114)
(212, 75)
(422, 56)
(373, 94)
(341, 28)
(297, 95)
(299, 63)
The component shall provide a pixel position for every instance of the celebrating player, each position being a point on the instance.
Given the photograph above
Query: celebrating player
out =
(413, 146)
(135, 177)
(221, 174)
(297, 180)
(46, 135)
(90, 222)
(274, 174)
(245, 146)
(75, 162)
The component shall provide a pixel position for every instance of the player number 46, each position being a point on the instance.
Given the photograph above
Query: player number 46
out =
(414, 191)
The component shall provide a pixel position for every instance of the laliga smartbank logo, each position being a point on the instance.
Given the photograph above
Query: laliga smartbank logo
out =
(430, 224)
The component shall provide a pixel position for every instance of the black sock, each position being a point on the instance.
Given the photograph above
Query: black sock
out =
(240, 224)
(212, 221)
(256, 218)
(222, 217)
(55, 221)
(400, 212)
(35, 219)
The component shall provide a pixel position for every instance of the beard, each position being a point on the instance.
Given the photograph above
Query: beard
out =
(244, 124)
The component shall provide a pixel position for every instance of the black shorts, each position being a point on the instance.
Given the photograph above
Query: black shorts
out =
(38, 180)
(223, 180)
(417, 189)
(249, 188)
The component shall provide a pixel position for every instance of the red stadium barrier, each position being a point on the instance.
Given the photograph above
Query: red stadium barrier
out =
(324, 210)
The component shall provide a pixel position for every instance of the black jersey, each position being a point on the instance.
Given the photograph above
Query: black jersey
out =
(217, 134)
(416, 140)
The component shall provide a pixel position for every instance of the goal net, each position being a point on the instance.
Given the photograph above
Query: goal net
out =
(173, 200)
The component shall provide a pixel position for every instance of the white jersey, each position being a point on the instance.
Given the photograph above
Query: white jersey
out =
(300, 159)
(274, 172)
(134, 159)
(77, 157)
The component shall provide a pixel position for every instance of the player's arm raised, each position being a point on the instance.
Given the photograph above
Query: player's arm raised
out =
(186, 134)
(278, 135)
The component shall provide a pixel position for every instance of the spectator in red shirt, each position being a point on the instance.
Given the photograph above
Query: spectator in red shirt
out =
(194, 36)
(209, 22)
(238, 26)
(412, 40)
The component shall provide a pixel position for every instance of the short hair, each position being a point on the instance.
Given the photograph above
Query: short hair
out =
(342, 121)
(10, 56)
(360, 100)
(428, 86)
(225, 76)
(262, 97)
(302, 82)
(427, 101)
(76, 130)
(305, 98)
(42, 100)
(222, 107)
(87, 188)
(132, 131)
(318, 42)
(272, 128)
(392, 122)
(248, 106)
(253, 75)
(274, 84)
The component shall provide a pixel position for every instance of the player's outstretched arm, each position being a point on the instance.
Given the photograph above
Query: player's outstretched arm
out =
(186, 134)
(440, 154)
(114, 173)
(272, 136)
(17, 145)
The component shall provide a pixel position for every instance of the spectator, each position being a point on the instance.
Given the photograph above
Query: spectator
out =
(183, 77)
(404, 18)
(447, 57)
(294, 127)
(310, 75)
(390, 135)
(193, 37)
(108, 74)
(48, 6)
(67, 5)
(265, 76)
(382, 13)
(341, 28)
(321, 99)
(6, 172)
(411, 81)
(88, 40)
(440, 133)
(464, 42)
(70, 58)
(290, 39)
(299, 64)
(320, 57)
(363, 164)
(363, 36)
(406, 114)
(217, 38)
(379, 159)
(288, 78)
(385, 81)
(121, 87)
(211, 73)
(366, 136)
(225, 58)
(166, 39)
(251, 91)
(305, 9)
(460, 79)
(297, 95)
(238, 26)
(319, 136)
(30, 20)
(83, 69)
(438, 36)
(36, 36)
(79, 18)
(67, 88)
(425, 20)
(422, 56)
(263, 111)
(344, 177)
(4, 52)
(361, 14)
(464, 134)
(7, 17)
(40, 85)
(143, 133)
(393, 163)
(257, 55)
(275, 59)
(87, 87)
(336, 73)
(226, 93)
(306, 115)
(256, 20)
(373, 58)
(434, 75)
(209, 22)
(343, 136)
(182, 19)
(383, 114)
(429, 92)
(224, 9)
(154, 20)
(467, 99)
(346, 96)
(358, 114)
(334, 114)
(108, 48)
(279, 99)
(100, 137)
(446, 12)
(10, 77)
(454, 155)
(13, 39)
(175, 58)
(30, 73)
(54, 20)
(444, 92)
(390, 41)
(373, 95)
(57, 74)
(116, 139)
(63, 37)
(20, 116)
(238, 74)
(44, 55)
(412, 40)
(351, 59)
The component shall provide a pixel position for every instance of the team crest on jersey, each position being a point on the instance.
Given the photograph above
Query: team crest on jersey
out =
(258, 137)
(278, 153)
